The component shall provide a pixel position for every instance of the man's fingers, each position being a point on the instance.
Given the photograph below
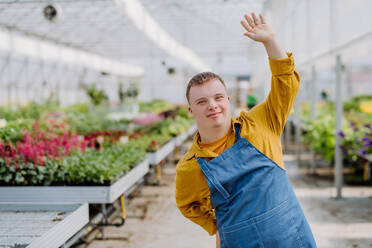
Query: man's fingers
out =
(246, 26)
(262, 19)
(255, 19)
(249, 20)
(250, 35)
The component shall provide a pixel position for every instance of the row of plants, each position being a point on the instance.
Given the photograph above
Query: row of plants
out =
(356, 134)
(98, 96)
(73, 146)
(156, 106)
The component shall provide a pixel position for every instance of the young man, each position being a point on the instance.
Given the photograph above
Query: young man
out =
(232, 181)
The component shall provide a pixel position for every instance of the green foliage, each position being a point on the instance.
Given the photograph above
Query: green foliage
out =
(183, 112)
(80, 108)
(354, 103)
(102, 166)
(320, 133)
(89, 122)
(355, 140)
(131, 92)
(14, 130)
(92, 167)
(28, 174)
(106, 165)
(155, 106)
(31, 111)
(168, 127)
(320, 136)
(96, 96)
(121, 93)
(152, 142)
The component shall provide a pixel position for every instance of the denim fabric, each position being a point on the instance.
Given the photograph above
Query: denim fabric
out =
(254, 202)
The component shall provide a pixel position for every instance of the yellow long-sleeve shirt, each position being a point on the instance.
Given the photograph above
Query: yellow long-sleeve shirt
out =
(262, 126)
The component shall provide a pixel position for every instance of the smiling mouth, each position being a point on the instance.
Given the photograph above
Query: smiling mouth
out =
(213, 115)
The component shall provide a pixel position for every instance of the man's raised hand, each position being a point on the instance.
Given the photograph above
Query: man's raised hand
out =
(257, 29)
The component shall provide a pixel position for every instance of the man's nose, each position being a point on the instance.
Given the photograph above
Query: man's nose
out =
(212, 104)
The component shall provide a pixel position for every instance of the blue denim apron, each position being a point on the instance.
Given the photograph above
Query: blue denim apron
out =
(254, 202)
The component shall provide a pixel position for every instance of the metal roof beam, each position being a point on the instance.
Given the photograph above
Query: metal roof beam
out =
(147, 24)
(48, 51)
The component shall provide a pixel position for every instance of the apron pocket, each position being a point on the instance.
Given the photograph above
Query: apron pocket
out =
(277, 227)
(274, 228)
(246, 236)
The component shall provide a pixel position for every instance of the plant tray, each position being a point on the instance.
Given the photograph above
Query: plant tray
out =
(74, 194)
(155, 157)
(180, 139)
(39, 226)
(192, 130)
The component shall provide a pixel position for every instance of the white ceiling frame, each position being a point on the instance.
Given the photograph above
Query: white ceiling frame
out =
(144, 22)
(48, 51)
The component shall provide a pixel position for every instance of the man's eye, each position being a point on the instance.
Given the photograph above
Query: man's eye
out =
(219, 97)
(202, 102)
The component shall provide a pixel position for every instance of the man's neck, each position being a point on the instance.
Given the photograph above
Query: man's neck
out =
(210, 135)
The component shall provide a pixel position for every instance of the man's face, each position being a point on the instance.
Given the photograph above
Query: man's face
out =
(210, 105)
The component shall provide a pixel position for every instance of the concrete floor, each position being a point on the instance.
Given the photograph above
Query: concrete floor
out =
(155, 222)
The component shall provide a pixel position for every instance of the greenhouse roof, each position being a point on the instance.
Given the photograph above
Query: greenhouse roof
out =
(194, 32)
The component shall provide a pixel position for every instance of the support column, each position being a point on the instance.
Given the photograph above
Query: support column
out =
(338, 128)
(313, 113)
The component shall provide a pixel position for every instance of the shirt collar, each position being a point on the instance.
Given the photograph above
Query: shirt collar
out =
(197, 151)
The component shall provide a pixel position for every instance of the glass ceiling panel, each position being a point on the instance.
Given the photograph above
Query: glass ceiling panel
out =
(207, 27)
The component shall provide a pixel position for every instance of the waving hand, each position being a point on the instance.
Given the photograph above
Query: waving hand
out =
(259, 30)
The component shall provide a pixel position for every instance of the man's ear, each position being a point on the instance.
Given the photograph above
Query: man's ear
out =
(190, 111)
(228, 98)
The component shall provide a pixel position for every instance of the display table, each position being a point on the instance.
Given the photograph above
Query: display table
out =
(40, 226)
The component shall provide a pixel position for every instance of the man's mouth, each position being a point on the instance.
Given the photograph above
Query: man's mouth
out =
(213, 114)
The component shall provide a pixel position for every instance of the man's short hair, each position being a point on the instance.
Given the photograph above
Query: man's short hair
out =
(200, 79)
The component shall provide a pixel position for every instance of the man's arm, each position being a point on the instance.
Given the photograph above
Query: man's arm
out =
(192, 197)
(285, 79)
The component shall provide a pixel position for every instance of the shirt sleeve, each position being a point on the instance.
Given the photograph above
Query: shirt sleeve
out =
(192, 201)
(285, 82)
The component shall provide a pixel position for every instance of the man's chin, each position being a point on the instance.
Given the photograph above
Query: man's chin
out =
(216, 125)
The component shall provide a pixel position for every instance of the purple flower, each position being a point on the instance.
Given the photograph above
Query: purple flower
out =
(364, 152)
(365, 139)
(341, 134)
(351, 124)
(367, 144)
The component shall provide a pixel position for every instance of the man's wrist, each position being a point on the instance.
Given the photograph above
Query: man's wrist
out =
(270, 41)
(274, 49)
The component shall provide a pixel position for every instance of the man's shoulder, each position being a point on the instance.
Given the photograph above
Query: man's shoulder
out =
(252, 114)
(187, 162)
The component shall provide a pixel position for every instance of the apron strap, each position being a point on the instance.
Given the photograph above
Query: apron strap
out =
(211, 178)
(237, 131)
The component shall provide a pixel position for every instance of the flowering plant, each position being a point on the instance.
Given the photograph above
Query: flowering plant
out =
(356, 141)
(22, 163)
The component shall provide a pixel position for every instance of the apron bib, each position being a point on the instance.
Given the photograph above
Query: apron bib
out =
(254, 202)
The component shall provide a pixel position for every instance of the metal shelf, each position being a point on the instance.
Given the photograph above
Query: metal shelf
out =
(74, 194)
(155, 157)
(39, 226)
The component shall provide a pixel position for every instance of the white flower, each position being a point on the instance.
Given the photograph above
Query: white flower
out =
(100, 139)
(2, 123)
(123, 139)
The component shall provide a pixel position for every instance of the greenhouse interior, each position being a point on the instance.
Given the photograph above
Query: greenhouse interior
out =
(209, 123)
